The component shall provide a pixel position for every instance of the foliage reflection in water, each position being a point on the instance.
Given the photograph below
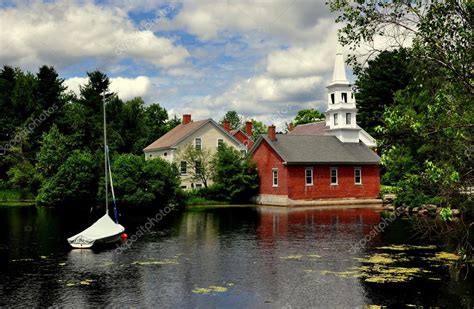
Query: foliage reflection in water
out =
(238, 257)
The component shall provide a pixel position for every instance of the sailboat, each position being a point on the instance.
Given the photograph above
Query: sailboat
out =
(105, 230)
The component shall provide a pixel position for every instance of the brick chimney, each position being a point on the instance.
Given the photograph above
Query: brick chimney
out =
(248, 128)
(271, 133)
(226, 125)
(291, 126)
(186, 118)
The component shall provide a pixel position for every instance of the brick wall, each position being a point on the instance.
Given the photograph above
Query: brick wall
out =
(266, 160)
(322, 189)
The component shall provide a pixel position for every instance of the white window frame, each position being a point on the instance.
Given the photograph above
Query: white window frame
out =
(274, 177)
(360, 175)
(349, 120)
(181, 168)
(220, 139)
(306, 176)
(200, 143)
(336, 120)
(337, 176)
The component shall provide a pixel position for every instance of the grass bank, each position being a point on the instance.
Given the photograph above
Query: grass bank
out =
(15, 196)
(196, 200)
(201, 208)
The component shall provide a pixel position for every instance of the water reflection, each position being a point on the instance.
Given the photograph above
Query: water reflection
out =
(238, 257)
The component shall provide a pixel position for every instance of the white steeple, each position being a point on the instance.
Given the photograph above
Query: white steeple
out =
(339, 74)
(341, 112)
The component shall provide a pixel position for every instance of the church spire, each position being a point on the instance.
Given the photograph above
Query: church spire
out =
(339, 74)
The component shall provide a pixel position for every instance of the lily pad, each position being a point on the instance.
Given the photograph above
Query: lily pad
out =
(292, 257)
(165, 262)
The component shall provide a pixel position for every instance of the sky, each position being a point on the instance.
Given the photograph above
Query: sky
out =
(265, 59)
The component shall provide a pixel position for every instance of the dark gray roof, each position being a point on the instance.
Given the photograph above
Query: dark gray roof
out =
(303, 149)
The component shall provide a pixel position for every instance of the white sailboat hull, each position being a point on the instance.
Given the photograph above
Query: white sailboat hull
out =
(103, 231)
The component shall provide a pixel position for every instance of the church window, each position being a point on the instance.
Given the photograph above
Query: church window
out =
(332, 98)
(344, 97)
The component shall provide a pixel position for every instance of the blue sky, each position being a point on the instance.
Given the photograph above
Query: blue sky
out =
(266, 59)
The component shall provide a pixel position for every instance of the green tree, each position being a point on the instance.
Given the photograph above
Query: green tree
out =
(53, 152)
(24, 176)
(143, 183)
(156, 121)
(88, 120)
(234, 119)
(235, 176)
(377, 84)
(199, 163)
(441, 32)
(428, 130)
(75, 183)
(308, 116)
(7, 112)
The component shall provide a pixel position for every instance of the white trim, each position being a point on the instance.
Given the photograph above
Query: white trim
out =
(273, 177)
(360, 176)
(337, 176)
(306, 177)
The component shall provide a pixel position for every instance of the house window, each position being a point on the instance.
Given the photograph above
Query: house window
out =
(275, 177)
(150, 156)
(348, 118)
(198, 186)
(308, 172)
(243, 152)
(165, 154)
(183, 168)
(220, 142)
(332, 98)
(344, 97)
(184, 187)
(334, 175)
(198, 143)
(198, 168)
(358, 176)
(335, 119)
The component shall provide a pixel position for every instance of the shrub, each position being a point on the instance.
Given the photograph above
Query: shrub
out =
(145, 183)
(75, 183)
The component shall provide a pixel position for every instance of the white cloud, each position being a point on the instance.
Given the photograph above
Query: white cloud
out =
(66, 32)
(126, 88)
(288, 19)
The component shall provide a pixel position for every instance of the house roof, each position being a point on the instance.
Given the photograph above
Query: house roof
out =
(314, 149)
(320, 128)
(182, 131)
(234, 132)
(314, 128)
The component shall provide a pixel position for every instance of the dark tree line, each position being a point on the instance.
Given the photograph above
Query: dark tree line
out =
(52, 139)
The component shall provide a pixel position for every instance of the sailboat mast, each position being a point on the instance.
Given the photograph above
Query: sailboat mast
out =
(105, 160)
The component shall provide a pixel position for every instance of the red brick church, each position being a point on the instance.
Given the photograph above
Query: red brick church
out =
(331, 164)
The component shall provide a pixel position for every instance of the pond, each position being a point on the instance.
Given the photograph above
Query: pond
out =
(236, 257)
